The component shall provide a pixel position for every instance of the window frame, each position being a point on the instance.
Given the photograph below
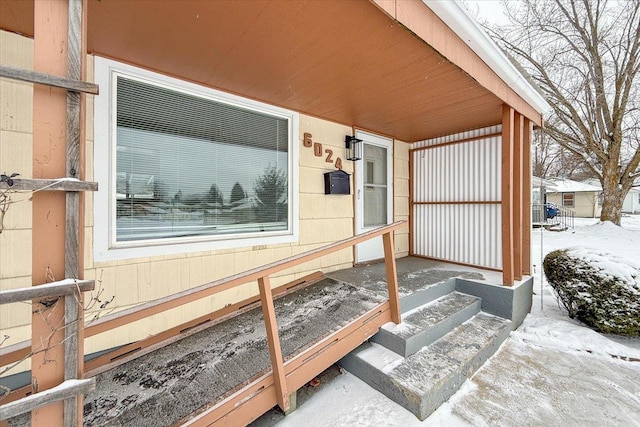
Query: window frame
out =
(106, 247)
(573, 200)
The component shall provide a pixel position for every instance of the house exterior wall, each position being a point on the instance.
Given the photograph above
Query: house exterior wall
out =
(401, 195)
(631, 202)
(16, 152)
(322, 219)
(585, 203)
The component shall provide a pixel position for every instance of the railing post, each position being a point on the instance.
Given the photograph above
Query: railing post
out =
(275, 351)
(392, 277)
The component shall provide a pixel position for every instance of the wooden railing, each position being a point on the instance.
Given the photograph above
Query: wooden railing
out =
(262, 275)
(71, 290)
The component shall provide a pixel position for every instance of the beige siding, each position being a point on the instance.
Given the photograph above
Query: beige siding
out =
(323, 219)
(401, 195)
(16, 113)
(586, 203)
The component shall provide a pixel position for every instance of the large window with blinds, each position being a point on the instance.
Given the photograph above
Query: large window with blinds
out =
(189, 164)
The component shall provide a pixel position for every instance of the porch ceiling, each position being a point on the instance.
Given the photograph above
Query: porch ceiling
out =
(345, 61)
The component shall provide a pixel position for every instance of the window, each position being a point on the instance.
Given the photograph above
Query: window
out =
(567, 199)
(191, 165)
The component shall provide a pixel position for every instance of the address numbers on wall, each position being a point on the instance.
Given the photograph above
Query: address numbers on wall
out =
(318, 150)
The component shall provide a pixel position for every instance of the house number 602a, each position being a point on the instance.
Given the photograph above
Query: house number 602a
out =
(319, 152)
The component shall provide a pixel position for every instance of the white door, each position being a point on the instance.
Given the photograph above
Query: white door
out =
(374, 192)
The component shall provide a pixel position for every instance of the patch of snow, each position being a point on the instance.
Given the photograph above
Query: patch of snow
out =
(569, 335)
(347, 401)
(381, 357)
(610, 265)
(400, 328)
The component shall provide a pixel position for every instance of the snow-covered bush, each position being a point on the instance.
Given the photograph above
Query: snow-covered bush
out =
(597, 288)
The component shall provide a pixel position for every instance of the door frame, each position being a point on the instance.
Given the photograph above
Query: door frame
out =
(362, 251)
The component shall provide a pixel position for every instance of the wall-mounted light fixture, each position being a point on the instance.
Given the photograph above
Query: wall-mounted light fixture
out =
(354, 148)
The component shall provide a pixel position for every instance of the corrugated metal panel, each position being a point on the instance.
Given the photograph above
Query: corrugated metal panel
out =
(456, 180)
(458, 136)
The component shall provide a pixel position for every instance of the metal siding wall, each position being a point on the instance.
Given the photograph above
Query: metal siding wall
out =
(467, 233)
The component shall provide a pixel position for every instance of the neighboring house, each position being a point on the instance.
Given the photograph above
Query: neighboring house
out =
(582, 198)
(539, 188)
(199, 96)
(538, 199)
(631, 202)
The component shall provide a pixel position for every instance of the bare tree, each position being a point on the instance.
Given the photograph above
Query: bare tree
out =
(584, 56)
(551, 160)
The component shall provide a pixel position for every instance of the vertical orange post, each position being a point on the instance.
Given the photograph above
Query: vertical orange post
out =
(526, 197)
(517, 195)
(507, 194)
(392, 276)
(48, 230)
(411, 200)
(275, 351)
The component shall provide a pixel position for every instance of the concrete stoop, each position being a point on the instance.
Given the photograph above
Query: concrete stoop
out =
(423, 361)
(425, 325)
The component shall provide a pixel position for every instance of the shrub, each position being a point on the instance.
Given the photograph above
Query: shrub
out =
(598, 289)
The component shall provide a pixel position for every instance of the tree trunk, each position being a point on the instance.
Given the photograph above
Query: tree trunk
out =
(612, 200)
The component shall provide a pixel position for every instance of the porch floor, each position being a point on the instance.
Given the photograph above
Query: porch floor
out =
(414, 274)
(178, 380)
(173, 382)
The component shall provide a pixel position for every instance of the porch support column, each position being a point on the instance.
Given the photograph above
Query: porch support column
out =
(526, 197)
(507, 194)
(48, 229)
(518, 190)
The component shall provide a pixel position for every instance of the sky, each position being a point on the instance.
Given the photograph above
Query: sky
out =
(491, 10)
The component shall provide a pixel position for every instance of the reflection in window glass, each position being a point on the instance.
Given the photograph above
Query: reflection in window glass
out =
(191, 166)
(375, 186)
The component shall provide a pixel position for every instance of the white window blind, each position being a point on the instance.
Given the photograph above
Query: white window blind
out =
(189, 165)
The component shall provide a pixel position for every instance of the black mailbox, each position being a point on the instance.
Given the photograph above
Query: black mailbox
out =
(336, 182)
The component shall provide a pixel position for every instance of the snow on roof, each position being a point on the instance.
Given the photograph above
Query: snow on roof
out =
(569, 186)
(540, 182)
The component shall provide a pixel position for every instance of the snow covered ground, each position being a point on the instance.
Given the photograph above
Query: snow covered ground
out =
(551, 371)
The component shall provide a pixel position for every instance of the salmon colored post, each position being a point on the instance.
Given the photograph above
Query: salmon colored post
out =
(273, 339)
(392, 277)
(507, 194)
(526, 197)
(48, 230)
(518, 210)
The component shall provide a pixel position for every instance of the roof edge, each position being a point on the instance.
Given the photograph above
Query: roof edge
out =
(467, 28)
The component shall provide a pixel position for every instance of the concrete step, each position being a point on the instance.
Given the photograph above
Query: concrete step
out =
(424, 294)
(426, 379)
(427, 323)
